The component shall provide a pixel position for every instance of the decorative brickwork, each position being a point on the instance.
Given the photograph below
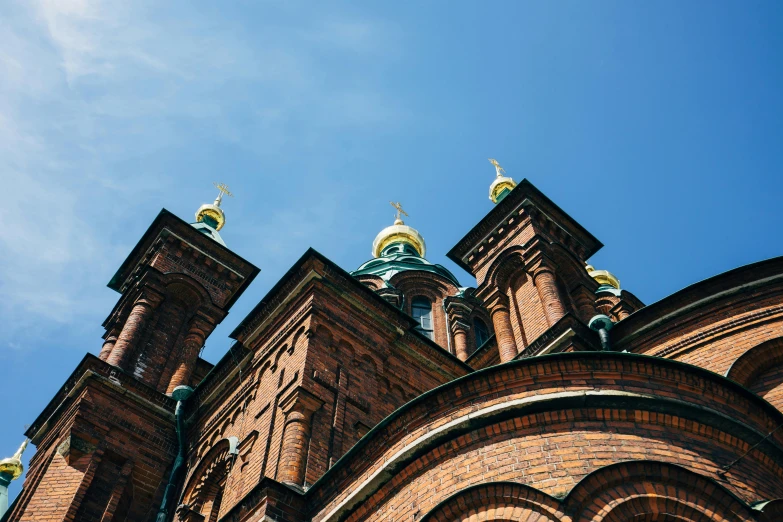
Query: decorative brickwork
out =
(336, 404)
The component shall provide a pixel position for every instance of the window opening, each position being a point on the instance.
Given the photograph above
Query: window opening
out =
(421, 310)
(481, 331)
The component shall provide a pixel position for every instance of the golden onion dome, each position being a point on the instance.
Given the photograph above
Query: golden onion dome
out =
(212, 215)
(13, 465)
(399, 232)
(502, 184)
(603, 277)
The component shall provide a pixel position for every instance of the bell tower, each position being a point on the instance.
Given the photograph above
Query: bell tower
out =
(109, 441)
(177, 285)
(528, 257)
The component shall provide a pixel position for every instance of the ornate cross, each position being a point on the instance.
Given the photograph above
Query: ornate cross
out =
(399, 210)
(498, 168)
(223, 188)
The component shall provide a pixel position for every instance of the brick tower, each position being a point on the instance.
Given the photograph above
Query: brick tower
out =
(107, 439)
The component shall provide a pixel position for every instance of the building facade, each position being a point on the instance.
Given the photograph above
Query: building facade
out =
(392, 393)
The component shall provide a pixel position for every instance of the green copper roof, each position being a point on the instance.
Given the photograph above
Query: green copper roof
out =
(401, 257)
(208, 231)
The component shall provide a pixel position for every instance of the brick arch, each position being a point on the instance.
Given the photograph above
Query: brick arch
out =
(643, 490)
(504, 268)
(185, 288)
(570, 268)
(498, 501)
(760, 369)
(753, 362)
(433, 287)
(373, 282)
(203, 494)
(412, 283)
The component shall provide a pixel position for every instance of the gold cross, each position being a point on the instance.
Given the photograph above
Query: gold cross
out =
(399, 210)
(498, 168)
(223, 188)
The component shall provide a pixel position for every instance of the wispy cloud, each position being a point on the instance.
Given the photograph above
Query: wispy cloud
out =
(95, 94)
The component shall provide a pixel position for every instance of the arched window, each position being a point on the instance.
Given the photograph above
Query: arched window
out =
(481, 331)
(204, 493)
(421, 310)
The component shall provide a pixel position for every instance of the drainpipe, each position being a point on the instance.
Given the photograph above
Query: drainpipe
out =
(602, 324)
(180, 394)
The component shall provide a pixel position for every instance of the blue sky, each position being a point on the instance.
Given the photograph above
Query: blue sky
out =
(657, 125)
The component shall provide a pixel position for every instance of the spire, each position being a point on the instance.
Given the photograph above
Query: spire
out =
(502, 184)
(400, 234)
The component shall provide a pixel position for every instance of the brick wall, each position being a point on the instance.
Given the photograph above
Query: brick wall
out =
(105, 451)
(331, 339)
(554, 447)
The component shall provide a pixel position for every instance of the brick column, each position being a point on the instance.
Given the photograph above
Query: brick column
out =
(131, 332)
(544, 279)
(501, 320)
(460, 335)
(458, 317)
(108, 344)
(585, 303)
(620, 311)
(193, 342)
(298, 407)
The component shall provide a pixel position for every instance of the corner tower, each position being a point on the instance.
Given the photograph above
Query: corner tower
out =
(108, 440)
(177, 285)
(528, 257)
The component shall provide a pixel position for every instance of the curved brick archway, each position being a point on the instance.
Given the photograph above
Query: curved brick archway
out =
(204, 492)
(498, 501)
(749, 365)
(760, 369)
(647, 491)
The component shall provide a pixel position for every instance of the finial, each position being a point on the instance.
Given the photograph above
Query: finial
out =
(13, 465)
(22, 447)
(502, 184)
(398, 218)
(223, 188)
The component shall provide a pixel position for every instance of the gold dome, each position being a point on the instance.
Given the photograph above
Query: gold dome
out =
(501, 185)
(210, 213)
(13, 465)
(603, 277)
(399, 232)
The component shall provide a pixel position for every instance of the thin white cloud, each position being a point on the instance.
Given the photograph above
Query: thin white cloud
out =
(92, 91)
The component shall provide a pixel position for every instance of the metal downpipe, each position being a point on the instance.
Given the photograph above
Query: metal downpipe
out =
(181, 394)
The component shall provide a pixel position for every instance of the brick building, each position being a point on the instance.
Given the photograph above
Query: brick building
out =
(545, 393)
